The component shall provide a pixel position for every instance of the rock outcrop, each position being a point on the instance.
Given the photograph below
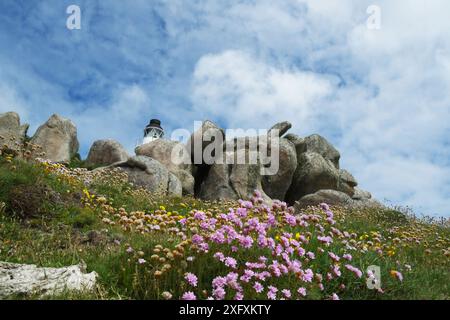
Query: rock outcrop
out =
(317, 169)
(313, 173)
(106, 152)
(282, 128)
(202, 138)
(175, 157)
(308, 168)
(58, 139)
(21, 280)
(333, 197)
(150, 174)
(236, 176)
(276, 186)
(12, 133)
(317, 144)
(210, 136)
(361, 194)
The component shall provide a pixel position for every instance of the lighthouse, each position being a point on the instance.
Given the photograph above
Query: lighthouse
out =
(153, 131)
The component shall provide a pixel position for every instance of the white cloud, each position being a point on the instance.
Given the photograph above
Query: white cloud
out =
(382, 97)
(10, 101)
(128, 108)
(247, 93)
(390, 117)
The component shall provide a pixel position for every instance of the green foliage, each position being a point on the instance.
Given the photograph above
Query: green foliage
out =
(45, 221)
(81, 218)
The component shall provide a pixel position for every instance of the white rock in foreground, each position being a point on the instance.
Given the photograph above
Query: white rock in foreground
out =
(24, 280)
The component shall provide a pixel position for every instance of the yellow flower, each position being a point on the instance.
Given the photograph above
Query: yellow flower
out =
(297, 235)
(391, 253)
(162, 208)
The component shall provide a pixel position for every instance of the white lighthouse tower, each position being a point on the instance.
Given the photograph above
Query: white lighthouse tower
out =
(153, 131)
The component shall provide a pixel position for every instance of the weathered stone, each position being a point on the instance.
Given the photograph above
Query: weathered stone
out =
(171, 154)
(316, 144)
(347, 182)
(106, 152)
(276, 186)
(348, 178)
(282, 128)
(187, 181)
(361, 194)
(335, 198)
(151, 174)
(245, 179)
(233, 181)
(313, 173)
(57, 138)
(29, 280)
(174, 187)
(175, 157)
(217, 184)
(202, 138)
(12, 133)
(295, 139)
(330, 197)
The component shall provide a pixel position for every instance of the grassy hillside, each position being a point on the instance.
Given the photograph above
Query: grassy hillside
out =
(146, 246)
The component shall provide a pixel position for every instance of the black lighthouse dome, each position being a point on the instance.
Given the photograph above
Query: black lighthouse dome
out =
(153, 131)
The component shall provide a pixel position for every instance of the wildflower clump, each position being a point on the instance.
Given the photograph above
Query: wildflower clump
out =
(156, 247)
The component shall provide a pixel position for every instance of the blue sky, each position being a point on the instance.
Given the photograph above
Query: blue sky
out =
(382, 97)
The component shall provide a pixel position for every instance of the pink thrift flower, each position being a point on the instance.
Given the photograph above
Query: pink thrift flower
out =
(291, 220)
(336, 271)
(286, 293)
(219, 282)
(141, 261)
(272, 293)
(347, 257)
(199, 215)
(326, 240)
(219, 256)
(230, 262)
(307, 275)
(334, 257)
(258, 287)
(246, 242)
(203, 247)
(188, 296)
(191, 279)
(355, 270)
(219, 293)
(278, 249)
(262, 259)
(197, 239)
(232, 277)
(301, 252)
(302, 291)
(334, 297)
(311, 255)
(239, 296)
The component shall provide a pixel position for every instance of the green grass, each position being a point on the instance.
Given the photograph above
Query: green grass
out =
(55, 228)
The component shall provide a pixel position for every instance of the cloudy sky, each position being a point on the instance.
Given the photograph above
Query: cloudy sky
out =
(382, 97)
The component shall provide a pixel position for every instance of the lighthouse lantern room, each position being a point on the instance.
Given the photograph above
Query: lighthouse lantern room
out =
(153, 131)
